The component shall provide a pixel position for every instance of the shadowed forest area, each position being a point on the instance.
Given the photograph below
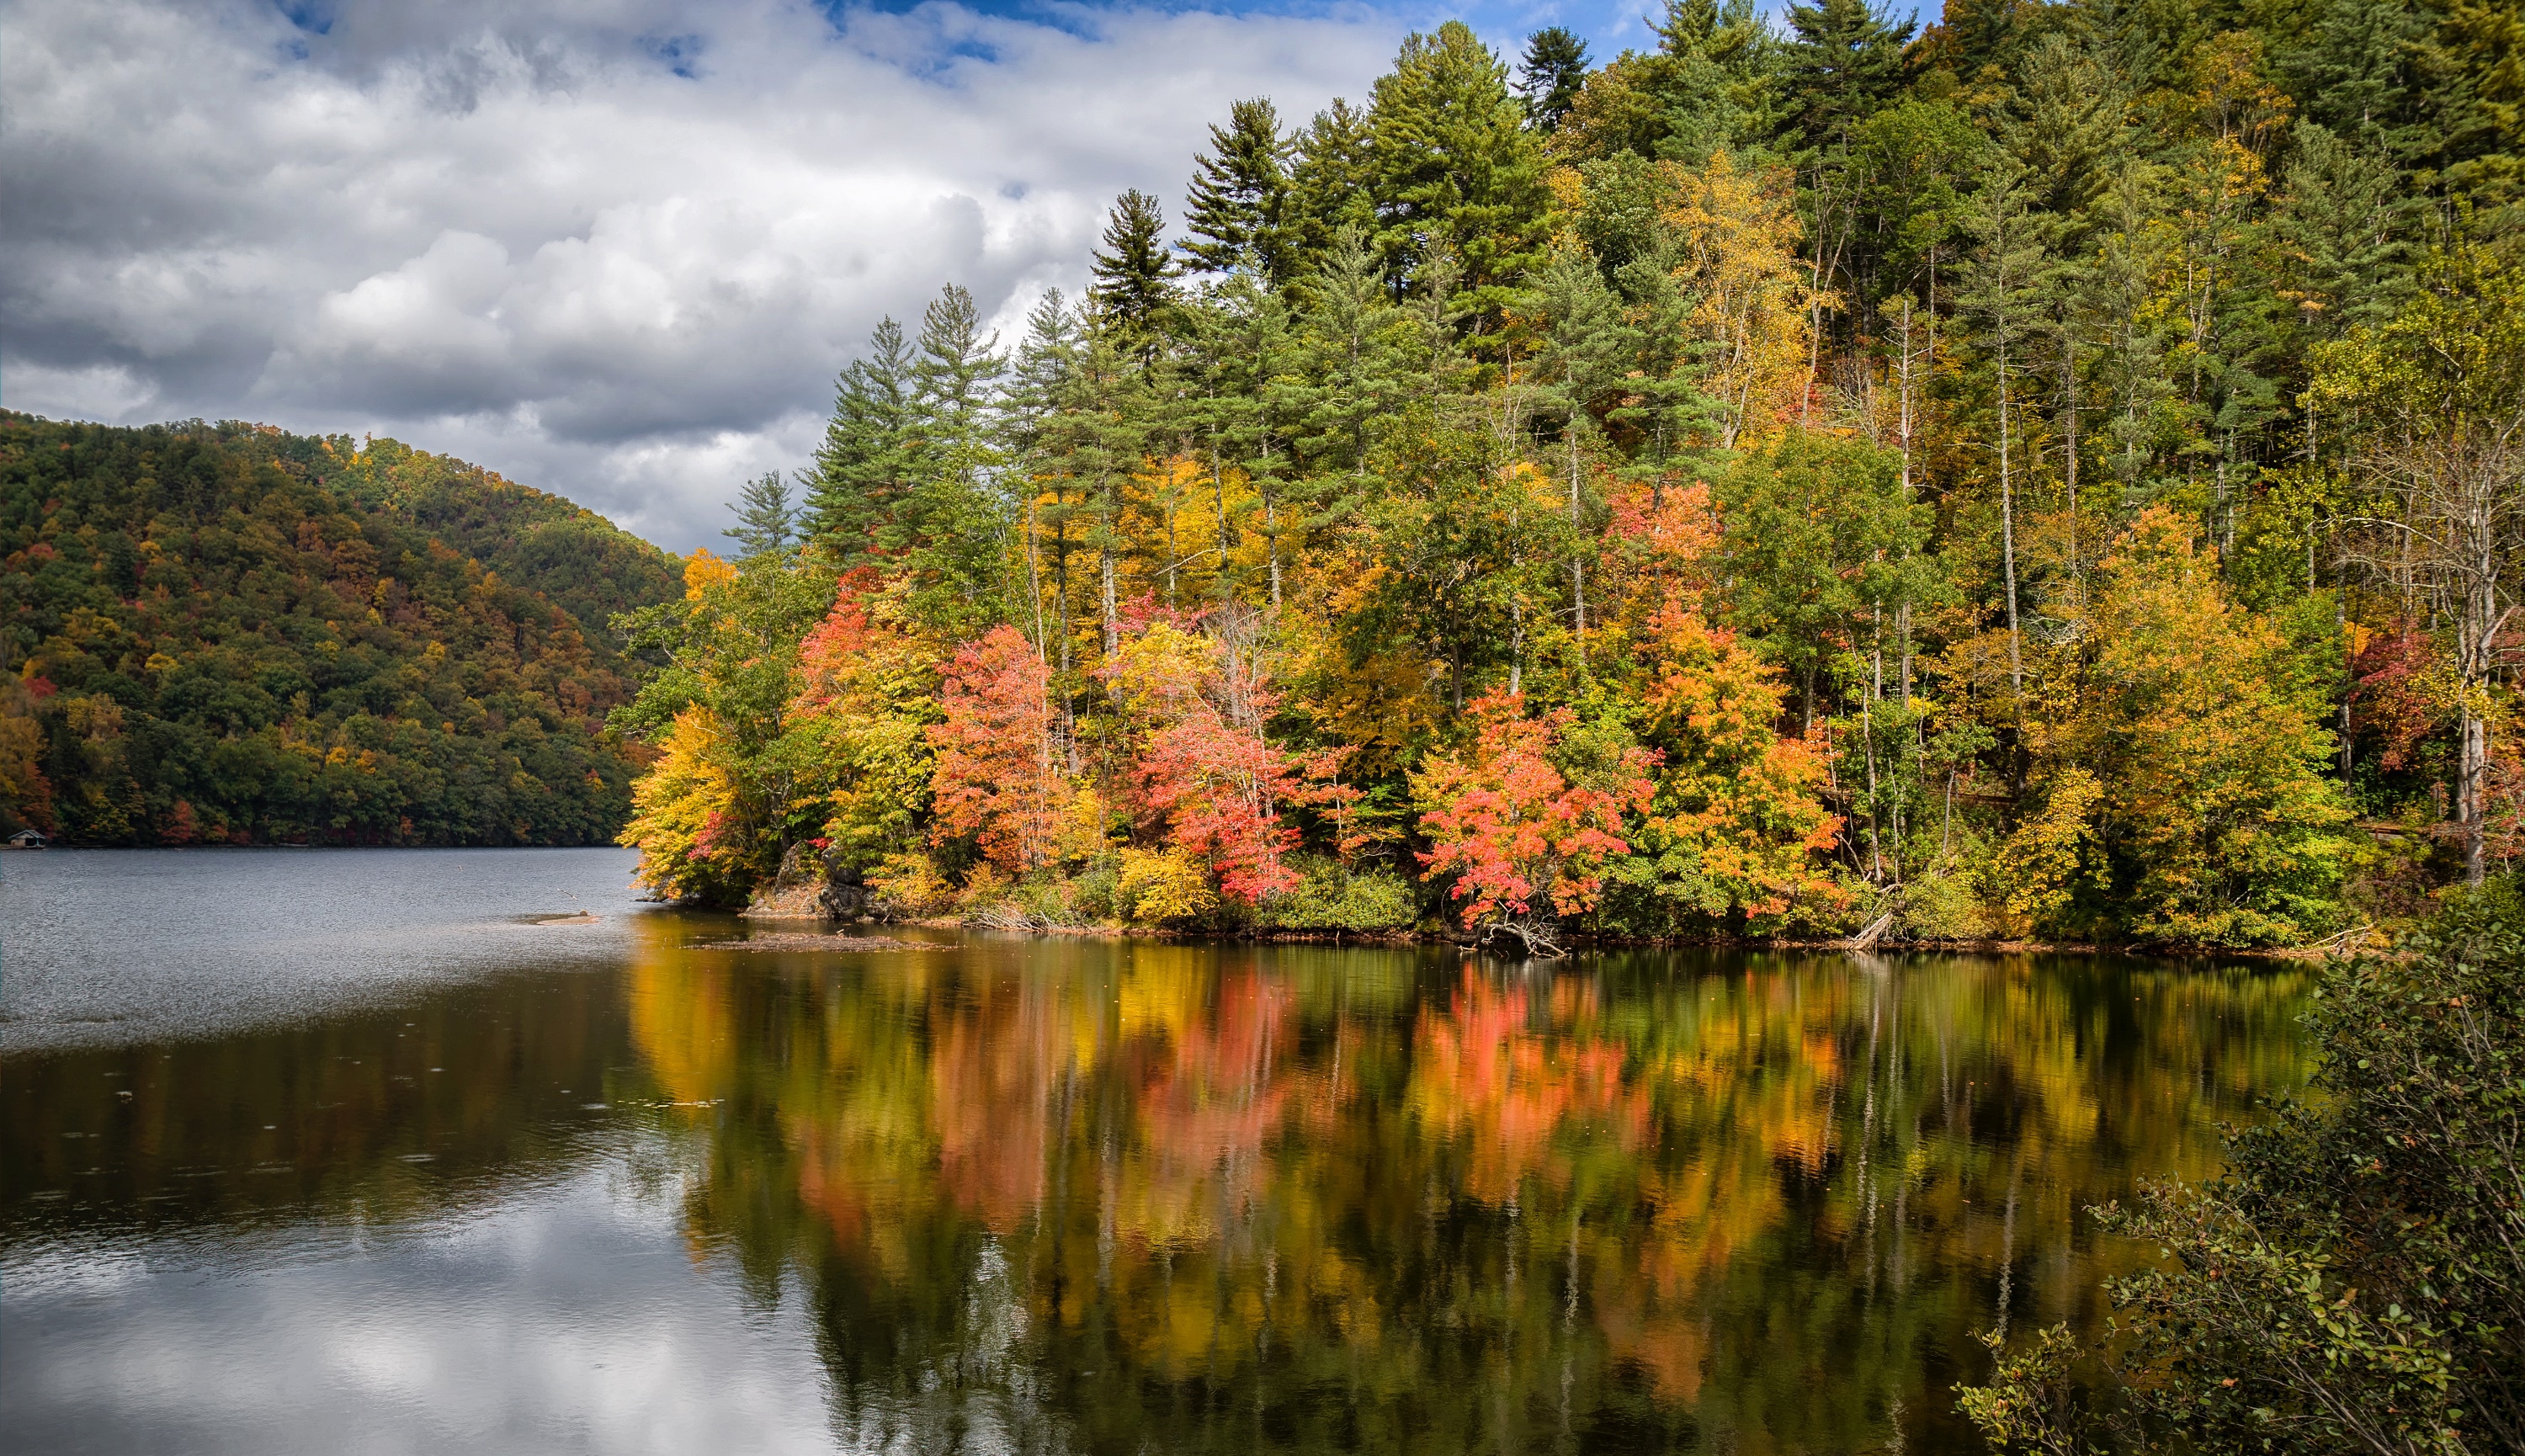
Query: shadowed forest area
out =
(2051, 474)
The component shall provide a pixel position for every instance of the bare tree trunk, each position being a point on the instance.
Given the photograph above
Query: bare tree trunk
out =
(1172, 555)
(1515, 647)
(2007, 533)
(1219, 488)
(1271, 538)
(2070, 419)
(2472, 806)
(1034, 579)
(1061, 584)
(1112, 610)
(1577, 563)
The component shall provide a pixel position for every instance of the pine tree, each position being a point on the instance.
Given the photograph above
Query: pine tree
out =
(1134, 275)
(1843, 64)
(1331, 177)
(1039, 439)
(1454, 165)
(2065, 125)
(955, 525)
(1550, 76)
(1583, 368)
(766, 519)
(1356, 372)
(864, 469)
(1972, 35)
(1240, 195)
(2477, 104)
(2360, 70)
(2002, 277)
(2344, 229)
(1716, 79)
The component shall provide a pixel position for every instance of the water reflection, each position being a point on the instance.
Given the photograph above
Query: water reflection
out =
(1125, 1196)
(1051, 1195)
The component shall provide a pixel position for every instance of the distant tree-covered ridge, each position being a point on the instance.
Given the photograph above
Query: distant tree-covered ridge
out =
(228, 633)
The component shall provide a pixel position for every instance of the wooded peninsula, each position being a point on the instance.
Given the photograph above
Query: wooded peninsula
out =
(2053, 474)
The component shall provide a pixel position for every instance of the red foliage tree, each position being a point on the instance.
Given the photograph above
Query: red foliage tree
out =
(1202, 766)
(995, 778)
(1520, 839)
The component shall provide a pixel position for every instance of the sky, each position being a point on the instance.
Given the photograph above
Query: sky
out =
(616, 249)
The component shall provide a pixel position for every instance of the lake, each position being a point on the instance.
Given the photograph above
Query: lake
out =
(349, 1151)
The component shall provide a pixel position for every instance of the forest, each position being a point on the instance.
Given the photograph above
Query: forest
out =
(231, 634)
(2051, 474)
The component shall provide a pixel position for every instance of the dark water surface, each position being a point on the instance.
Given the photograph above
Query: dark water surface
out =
(333, 1152)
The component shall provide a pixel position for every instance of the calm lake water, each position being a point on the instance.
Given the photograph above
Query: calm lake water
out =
(339, 1152)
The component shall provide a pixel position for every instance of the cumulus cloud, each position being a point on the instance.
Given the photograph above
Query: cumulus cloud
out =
(616, 248)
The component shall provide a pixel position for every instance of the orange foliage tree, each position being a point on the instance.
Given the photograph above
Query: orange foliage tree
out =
(1739, 821)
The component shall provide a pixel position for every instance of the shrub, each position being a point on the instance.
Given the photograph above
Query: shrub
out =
(2356, 1281)
(1332, 897)
(1162, 887)
(909, 886)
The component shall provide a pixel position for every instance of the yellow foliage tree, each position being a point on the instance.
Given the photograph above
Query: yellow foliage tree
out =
(2213, 808)
(1163, 887)
(680, 807)
(1740, 232)
(1739, 824)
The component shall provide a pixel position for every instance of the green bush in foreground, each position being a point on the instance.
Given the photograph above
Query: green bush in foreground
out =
(2356, 1281)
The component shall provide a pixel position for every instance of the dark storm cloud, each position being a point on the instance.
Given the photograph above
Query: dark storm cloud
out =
(615, 249)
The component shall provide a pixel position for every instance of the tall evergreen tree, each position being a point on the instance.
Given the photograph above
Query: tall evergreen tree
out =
(864, 469)
(1454, 167)
(1353, 335)
(2343, 230)
(1134, 273)
(1717, 79)
(1843, 64)
(766, 519)
(1040, 438)
(2002, 276)
(1331, 181)
(958, 523)
(1551, 75)
(1240, 195)
(2065, 125)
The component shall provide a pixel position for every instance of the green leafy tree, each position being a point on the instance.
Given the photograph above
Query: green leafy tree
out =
(2352, 1283)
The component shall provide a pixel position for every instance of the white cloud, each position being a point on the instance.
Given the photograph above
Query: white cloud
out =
(617, 248)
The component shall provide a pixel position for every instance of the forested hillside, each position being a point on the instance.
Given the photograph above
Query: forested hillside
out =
(2053, 474)
(226, 633)
(582, 563)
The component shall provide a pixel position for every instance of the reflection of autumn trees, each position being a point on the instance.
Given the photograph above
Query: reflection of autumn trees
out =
(1113, 1195)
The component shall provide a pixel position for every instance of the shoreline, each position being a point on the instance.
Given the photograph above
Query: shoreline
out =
(2318, 951)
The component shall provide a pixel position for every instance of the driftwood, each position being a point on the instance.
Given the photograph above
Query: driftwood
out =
(1874, 931)
(1540, 939)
